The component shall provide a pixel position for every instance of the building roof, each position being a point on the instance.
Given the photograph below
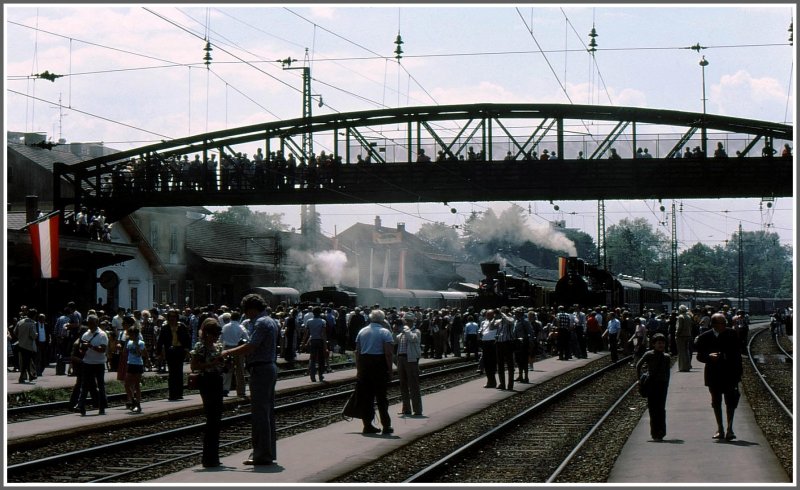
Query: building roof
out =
(46, 158)
(240, 245)
(15, 220)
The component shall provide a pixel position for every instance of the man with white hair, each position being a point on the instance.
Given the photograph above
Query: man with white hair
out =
(408, 354)
(233, 335)
(374, 352)
(683, 339)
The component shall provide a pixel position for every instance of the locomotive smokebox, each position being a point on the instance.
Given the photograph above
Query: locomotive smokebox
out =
(490, 269)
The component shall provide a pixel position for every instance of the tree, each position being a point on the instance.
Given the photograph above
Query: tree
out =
(635, 249)
(441, 237)
(702, 267)
(243, 215)
(765, 263)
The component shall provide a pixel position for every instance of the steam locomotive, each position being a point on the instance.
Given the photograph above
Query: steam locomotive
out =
(581, 283)
(389, 297)
(588, 285)
(501, 288)
(497, 288)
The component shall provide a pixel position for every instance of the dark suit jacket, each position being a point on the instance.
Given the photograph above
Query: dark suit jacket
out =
(165, 337)
(726, 372)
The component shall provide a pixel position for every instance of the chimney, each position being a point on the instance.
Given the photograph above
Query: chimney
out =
(377, 222)
(34, 138)
(401, 227)
(31, 208)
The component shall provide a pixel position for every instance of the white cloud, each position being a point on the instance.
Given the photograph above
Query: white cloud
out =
(743, 95)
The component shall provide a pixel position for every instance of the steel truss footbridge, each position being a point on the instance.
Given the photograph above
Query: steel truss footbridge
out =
(478, 152)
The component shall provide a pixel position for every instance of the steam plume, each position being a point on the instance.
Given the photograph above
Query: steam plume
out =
(511, 228)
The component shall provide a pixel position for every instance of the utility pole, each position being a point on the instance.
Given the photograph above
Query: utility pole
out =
(308, 142)
(602, 259)
(61, 116)
(674, 255)
(308, 215)
(741, 268)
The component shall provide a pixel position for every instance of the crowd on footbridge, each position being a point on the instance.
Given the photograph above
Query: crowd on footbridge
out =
(240, 172)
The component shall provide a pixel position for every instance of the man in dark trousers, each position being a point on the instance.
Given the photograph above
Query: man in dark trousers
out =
(718, 349)
(174, 341)
(261, 352)
(374, 351)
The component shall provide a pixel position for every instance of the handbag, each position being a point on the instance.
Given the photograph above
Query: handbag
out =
(644, 387)
(351, 409)
(193, 381)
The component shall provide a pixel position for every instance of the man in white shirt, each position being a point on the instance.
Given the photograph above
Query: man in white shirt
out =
(94, 342)
(233, 335)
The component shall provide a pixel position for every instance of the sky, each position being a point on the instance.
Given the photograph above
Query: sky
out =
(133, 75)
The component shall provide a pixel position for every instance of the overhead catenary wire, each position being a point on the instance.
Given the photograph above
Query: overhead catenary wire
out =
(92, 115)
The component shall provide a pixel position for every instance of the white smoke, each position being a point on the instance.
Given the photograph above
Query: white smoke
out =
(500, 260)
(511, 227)
(325, 268)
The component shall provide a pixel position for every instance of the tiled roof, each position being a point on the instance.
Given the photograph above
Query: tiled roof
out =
(214, 240)
(46, 158)
(224, 243)
(15, 220)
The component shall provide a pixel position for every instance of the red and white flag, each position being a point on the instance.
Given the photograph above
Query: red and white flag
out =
(44, 238)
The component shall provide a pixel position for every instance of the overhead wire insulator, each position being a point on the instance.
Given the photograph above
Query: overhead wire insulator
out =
(207, 56)
(592, 42)
(697, 47)
(791, 33)
(48, 76)
(398, 52)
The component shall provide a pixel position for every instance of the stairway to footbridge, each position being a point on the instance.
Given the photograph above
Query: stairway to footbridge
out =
(477, 152)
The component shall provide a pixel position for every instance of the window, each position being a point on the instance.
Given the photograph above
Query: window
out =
(173, 291)
(134, 298)
(154, 235)
(155, 293)
(189, 288)
(173, 239)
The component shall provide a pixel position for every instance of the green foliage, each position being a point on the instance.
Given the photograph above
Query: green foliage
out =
(259, 220)
(634, 248)
(765, 263)
(444, 239)
(702, 267)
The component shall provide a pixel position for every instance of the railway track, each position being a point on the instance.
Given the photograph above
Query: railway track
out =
(402, 464)
(161, 450)
(774, 367)
(27, 412)
(535, 444)
(767, 383)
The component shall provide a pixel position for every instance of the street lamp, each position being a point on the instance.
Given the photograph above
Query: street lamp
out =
(703, 63)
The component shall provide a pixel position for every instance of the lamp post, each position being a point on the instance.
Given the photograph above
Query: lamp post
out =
(703, 63)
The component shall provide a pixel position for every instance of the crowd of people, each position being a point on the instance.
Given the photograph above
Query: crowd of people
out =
(221, 343)
(238, 171)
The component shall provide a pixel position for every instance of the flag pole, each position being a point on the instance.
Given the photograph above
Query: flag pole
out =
(40, 219)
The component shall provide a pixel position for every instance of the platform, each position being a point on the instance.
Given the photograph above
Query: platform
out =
(36, 429)
(320, 455)
(688, 454)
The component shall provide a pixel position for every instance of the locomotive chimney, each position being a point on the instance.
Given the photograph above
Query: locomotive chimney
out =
(490, 269)
(377, 222)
